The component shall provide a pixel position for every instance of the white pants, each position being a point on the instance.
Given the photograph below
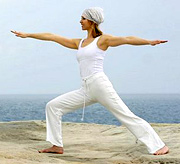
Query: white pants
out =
(98, 88)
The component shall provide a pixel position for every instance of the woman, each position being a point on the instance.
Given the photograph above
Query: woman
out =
(96, 86)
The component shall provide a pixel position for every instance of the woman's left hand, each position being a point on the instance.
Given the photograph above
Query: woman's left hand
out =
(154, 42)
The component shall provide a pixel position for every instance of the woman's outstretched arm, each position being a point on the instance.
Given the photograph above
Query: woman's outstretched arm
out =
(114, 41)
(66, 42)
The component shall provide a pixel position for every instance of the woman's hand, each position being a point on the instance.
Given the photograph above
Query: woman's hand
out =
(20, 34)
(154, 42)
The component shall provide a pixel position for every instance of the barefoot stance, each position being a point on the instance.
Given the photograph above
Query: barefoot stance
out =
(162, 151)
(53, 149)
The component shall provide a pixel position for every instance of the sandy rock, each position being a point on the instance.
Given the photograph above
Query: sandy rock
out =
(84, 144)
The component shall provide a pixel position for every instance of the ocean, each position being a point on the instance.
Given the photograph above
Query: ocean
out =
(154, 108)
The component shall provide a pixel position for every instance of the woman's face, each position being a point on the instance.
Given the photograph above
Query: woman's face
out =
(85, 23)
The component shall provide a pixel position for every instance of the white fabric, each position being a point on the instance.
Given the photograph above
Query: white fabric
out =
(98, 88)
(94, 14)
(90, 58)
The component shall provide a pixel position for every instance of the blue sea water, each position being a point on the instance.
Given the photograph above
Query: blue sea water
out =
(154, 108)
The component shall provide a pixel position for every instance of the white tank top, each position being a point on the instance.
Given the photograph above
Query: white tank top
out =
(90, 58)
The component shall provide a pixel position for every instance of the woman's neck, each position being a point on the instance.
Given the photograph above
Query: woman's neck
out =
(89, 34)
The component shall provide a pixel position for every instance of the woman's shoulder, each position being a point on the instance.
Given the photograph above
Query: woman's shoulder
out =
(103, 41)
(106, 35)
(103, 38)
(77, 41)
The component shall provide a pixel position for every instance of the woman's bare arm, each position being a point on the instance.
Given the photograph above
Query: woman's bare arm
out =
(66, 42)
(113, 41)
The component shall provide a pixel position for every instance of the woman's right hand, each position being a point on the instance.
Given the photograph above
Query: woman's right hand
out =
(20, 34)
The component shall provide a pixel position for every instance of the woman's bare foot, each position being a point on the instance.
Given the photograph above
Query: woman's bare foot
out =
(53, 149)
(162, 151)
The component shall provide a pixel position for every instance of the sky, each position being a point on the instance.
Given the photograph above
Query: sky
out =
(29, 66)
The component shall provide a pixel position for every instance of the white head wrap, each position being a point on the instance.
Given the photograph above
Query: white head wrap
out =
(94, 14)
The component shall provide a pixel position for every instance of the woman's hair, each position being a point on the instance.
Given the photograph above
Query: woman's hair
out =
(96, 31)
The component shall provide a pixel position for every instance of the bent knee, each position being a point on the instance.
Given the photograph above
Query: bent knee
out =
(52, 106)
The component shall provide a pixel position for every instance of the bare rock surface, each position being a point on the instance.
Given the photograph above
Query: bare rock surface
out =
(84, 144)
